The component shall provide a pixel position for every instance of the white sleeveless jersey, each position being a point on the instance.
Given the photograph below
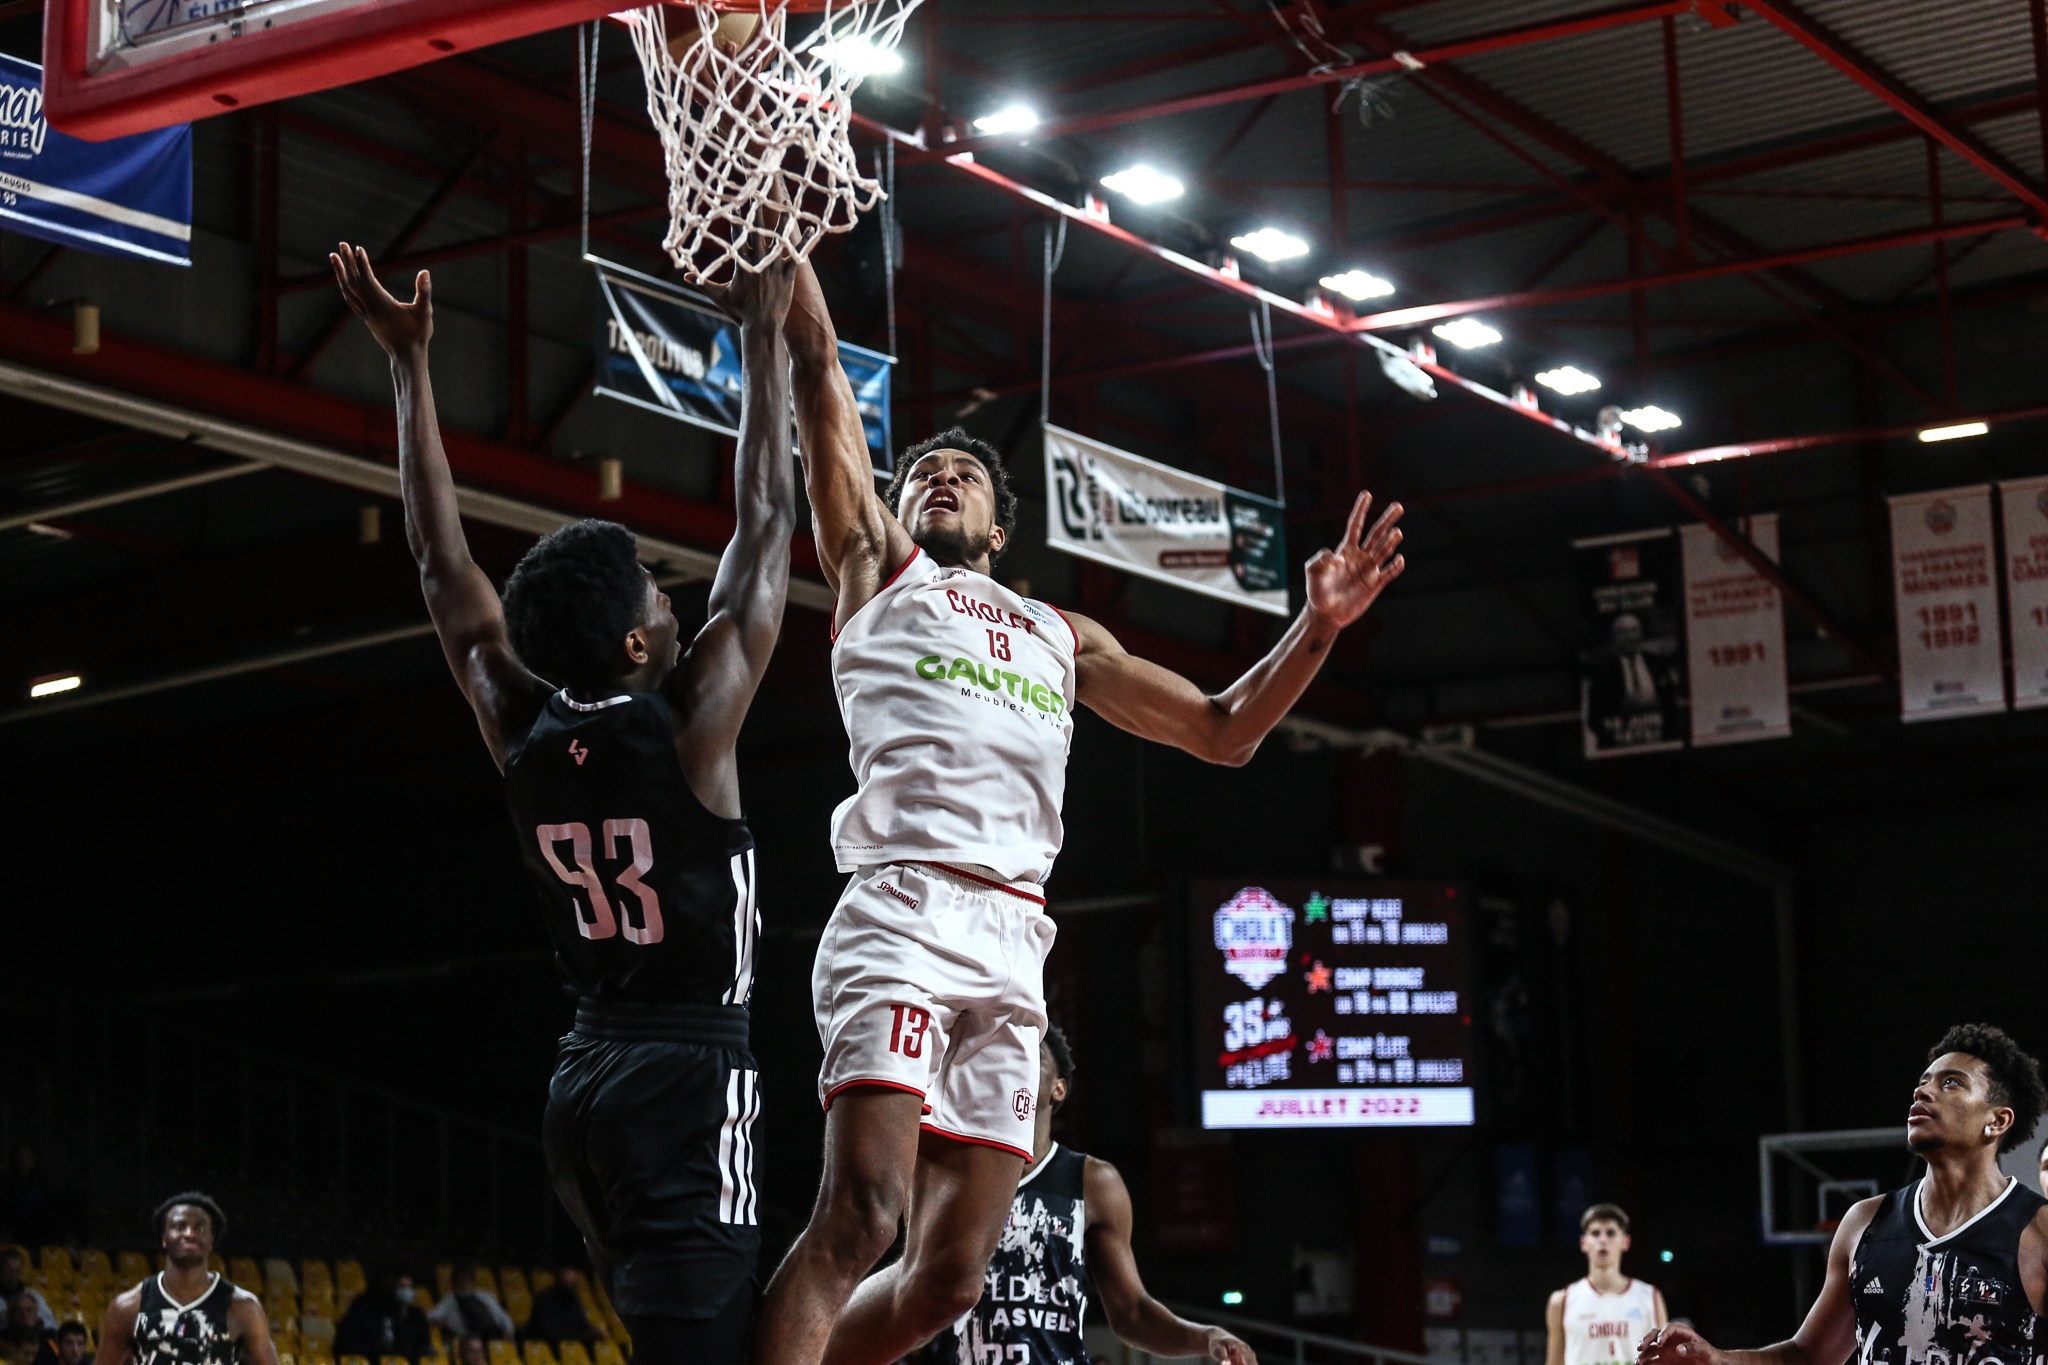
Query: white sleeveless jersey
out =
(1603, 1328)
(958, 700)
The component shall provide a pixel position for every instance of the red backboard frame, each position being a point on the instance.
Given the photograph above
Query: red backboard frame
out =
(244, 65)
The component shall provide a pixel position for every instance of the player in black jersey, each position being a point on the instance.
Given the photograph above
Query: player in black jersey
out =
(625, 799)
(1069, 1231)
(186, 1314)
(1950, 1270)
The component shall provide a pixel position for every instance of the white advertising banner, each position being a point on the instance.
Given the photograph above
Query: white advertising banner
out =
(1947, 602)
(1420, 1107)
(1734, 638)
(2025, 504)
(1152, 519)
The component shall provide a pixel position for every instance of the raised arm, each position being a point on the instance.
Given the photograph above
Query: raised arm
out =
(464, 606)
(1159, 704)
(1826, 1337)
(715, 683)
(860, 542)
(1134, 1315)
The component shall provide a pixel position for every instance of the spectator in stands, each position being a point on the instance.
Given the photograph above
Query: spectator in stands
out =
(384, 1321)
(470, 1351)
(558, 1311)
(23, 1335)
(14, 1285)
(471, 1312)
(69, 1347)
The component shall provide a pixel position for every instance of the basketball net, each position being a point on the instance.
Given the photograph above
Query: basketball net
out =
(755, 139)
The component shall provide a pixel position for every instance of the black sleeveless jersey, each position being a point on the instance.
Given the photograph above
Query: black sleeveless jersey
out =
(1036, 1288)
(167, 1333)
(1954, 1300)
(648, 897)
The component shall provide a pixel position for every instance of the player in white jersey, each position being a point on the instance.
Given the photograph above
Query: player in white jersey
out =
(958, 697)
(1601, 1319)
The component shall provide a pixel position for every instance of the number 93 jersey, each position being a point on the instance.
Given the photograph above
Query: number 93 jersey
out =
(648, 896)
(957, 695)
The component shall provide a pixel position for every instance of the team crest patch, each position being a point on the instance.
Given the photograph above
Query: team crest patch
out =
(1024, 1102)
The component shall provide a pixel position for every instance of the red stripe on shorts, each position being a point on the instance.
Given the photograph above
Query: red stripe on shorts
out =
(992, 885)
(834, 1092)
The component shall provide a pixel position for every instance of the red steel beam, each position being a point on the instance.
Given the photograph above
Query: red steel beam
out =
(1750, 265)
(1824, 43)
(1571, 26)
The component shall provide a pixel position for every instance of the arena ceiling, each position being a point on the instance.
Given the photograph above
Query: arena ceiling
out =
(1817, 220)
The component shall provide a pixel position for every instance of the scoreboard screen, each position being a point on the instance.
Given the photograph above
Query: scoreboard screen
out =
(1323, 1005)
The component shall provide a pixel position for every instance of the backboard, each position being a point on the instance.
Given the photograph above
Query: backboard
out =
(112, 67)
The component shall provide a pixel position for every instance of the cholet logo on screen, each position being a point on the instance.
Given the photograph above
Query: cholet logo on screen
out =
(1255, 930)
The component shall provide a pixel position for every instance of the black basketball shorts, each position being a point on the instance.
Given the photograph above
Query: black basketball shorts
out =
(650, 1145)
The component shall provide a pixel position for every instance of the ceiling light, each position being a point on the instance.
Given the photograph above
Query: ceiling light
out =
(1144, 185)
(1014, 119)
(50, 687)
(1568, 379)
(1955, 433)
(1467, 333)
(1650, 417)
(861, 57)
(1271, 244)
(1358, 286)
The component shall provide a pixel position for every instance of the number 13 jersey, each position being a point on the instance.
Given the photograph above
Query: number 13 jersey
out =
(648, 896)
(957, 695)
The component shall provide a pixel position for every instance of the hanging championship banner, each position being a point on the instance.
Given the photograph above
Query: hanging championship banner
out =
(1631, 677)
(668, 349)
(2025, 505)
(1947, 602)
(127, 196)
(1152, 519)
(1734, 638)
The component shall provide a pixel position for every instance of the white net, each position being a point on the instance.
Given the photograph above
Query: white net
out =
(754, 125)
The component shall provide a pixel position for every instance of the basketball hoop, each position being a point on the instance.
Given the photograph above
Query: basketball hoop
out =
(753, 123)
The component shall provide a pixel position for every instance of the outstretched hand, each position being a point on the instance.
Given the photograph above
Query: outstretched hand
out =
(1343, 582)
(1675, 1344)
(402, 329)
(756, 299)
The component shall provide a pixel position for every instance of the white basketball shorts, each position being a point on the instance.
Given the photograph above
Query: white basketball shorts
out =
(932, 979)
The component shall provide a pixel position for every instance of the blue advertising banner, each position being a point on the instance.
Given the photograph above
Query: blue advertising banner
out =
(669, 350)
(127, 196)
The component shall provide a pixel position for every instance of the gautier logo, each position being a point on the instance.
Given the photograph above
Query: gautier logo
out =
(934, 668)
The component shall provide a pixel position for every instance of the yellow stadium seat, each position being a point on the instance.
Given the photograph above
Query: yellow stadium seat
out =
(286, 1358)
(56, 1263)
(504, 1353)
(573, 1353)
(355, 1360)
(394, 1360)
(444, 1280)
(539, 1353)
(134, 1269)
(348, 1277)
(278, 1276)
(285, 1339)
(316, 1334)
(310, 1359)
(319, 1300)
(313, 1273)
(246, 1274)
(607, 1353)
(485, 1280)
(436, 1359)
(94, 1266)
(434, 1339)
(541, 1279)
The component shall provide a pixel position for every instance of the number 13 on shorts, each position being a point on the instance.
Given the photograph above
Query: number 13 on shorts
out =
(906, 1032)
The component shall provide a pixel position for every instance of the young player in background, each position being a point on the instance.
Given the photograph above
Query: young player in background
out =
(1603, 1318)
(1069, 1231)
(187, 1313)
